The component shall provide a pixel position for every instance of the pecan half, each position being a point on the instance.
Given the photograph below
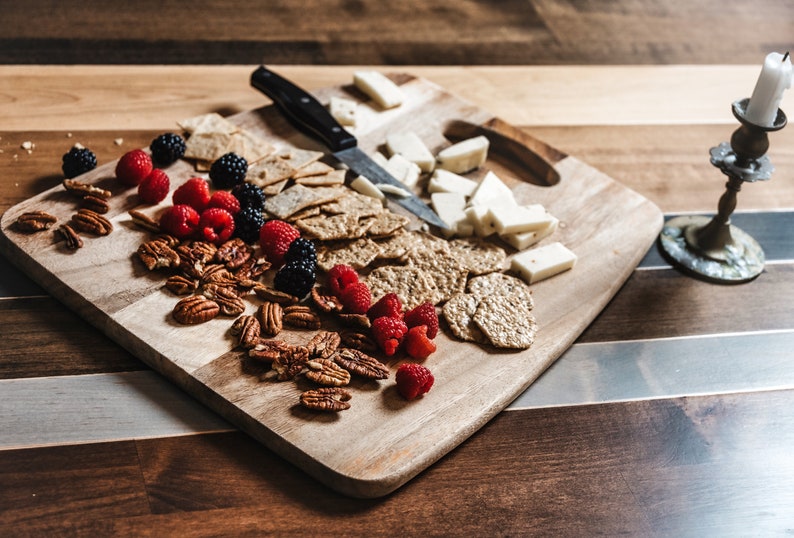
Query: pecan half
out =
(359, 363)
(323, 344)
(326, 399)
(354, 320)
(253, 268)
(327, 372)
(247, 330)
(301, 317)
(144, 221)
(216, 273)
(81, 189)
(91, 222)
(325, 300)
(35, 221)
(156, 254)
(268, 350)
(271, 317)
(70, 237)
(272, 294)
(95, 203)
(229, 302)
(233, 253)
(195, 309)
(358, 340)
(181, 285)
(291, 362)
(195, 256)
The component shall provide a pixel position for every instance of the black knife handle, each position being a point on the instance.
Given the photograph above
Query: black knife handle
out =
(302, 109)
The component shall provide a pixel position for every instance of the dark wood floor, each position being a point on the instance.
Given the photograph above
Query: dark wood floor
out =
(410, 32)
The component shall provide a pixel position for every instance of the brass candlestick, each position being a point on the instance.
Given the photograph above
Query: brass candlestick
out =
(712, 247)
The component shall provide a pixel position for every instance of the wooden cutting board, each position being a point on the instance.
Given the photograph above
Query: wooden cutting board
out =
(382, 441)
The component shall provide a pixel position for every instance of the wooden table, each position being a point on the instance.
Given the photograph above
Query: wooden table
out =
(671, 415)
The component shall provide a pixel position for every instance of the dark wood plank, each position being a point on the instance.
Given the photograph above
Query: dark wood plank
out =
(509, 32)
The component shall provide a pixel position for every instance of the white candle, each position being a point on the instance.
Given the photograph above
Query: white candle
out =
(775, 78)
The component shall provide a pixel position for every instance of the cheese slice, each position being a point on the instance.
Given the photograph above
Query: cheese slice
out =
(492, 191)
(410, 146)
(524, 240)
(449, 206)
(477, 218)
(366, 187)
(343, 110)
(446, 181)
(379, 88)
(403, 169)
(465, 155)
(517, 219)
(543, 262)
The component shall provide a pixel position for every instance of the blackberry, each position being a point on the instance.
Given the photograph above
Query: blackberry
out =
(78, 161)
(249, 195)
(229, 170)
(296, 278)
(247, 223)
(167, 148)
(301, 249)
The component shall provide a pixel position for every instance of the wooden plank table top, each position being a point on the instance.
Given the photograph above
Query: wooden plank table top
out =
(92, 442)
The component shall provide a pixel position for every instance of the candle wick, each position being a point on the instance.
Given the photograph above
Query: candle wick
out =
(785, 56)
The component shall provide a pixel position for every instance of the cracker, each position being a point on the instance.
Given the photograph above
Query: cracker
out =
(358, 253)
(354, 203)
(459, 313)
(207, 123)
(479, 256)
(442, 267)
(506, 322)
(409, 283)
(250, 146)
(300, 158)
(316, 168)
(334, 177)
(386, 223)
(270, 170)
(304, 213)
(274, 188)
(395, 246)
(500, 284)
(207, 146)
(299, 197)
(329, 228)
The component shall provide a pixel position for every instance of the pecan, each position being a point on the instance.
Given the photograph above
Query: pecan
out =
(145, 222)
(326, 399)
(327, 372)
(272, 294)
(268, 350)
(233, 253)
(169, 240)
(181, 285)
(156, 254)
(35, 221)
(301, 317)
(195, 309)
(358, 340)
(72, 240)
(96, 203)
(291, 362)
(218, 274)
(323, 344)
(359, 363)
(253, 268)
(229, 302)
(247, 330)
(354, 320)
(81, 189)
(195, 256)
(270, 317)
(325, 300)
(91, 222)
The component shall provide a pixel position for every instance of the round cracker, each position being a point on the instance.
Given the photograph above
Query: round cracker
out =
(458, 312)
(500, 284)
(506, 322)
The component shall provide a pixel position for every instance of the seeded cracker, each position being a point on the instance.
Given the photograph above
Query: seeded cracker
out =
(459, 313)
(316, 168)
(505, 322)
(386, 223)
(333, 227)
(269, 171)
(500, 284)
(357, 254)
(409, 283)
(299, 197)
(478, 256)
(395, 246)
(441, 267)
(335, 177)
(354, 203)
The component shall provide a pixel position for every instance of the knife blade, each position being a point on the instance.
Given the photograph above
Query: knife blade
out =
(307, 114)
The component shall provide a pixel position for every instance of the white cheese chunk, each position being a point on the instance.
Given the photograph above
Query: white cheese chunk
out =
(379, 88)
(517, 219)
(492, 191)
(449, 206)
(380, 159)
(393, 189)
(524, 240)
(543, 262)
(366, 187)
(477, 218)
(410, 146)
(404, 170)
(465, 155)
(343, 110)
(446, 181)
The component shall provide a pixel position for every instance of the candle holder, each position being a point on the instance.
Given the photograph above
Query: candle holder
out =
(713, 248)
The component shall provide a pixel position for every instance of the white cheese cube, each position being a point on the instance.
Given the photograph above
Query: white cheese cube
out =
(366, 187)
(410, 146)
(449, 206)
(517, 219)
(543, 262)
(343, 110)
(380, 159)
(477, 216)
(465, 155)
(492, 191)
(524, 240)
(388, 188)
(403, 169)
(379, 88)
(446, 181)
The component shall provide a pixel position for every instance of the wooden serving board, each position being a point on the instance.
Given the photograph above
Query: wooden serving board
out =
(383, 440)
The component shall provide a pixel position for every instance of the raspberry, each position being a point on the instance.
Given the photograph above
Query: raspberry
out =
(195, 192)
(413, 380)
(424, 314)
(418, 344)
(388, 333)
(225, 200)
(301, 249)
(180, 221)
(275, 238)
(247, 224)
(229, 170)
(356, 298)
(339, 277)
(133, 167)
(78, 161)
(167, 148)
(249, 195)
(155, 187)
(296, 278)
(216, 225)
(389, 305)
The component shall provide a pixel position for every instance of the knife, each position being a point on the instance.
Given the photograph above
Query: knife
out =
(308, 115)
